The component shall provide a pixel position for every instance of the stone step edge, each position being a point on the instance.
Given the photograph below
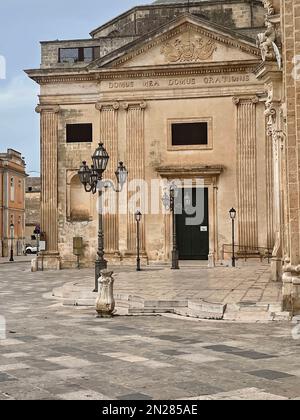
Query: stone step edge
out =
(192, 308)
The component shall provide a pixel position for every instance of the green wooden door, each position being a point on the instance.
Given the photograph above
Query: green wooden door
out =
(193, 240)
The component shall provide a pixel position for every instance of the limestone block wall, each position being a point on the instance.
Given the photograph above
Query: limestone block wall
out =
(290, 15)
(50, 50)
(143, 19)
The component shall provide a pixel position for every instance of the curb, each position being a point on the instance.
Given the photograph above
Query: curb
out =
(201, 309)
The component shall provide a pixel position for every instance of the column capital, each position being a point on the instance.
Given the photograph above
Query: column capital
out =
(245, 99)
(134, 104)
(100, 106)
(54, 109)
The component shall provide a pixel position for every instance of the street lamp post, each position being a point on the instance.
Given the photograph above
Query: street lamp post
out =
(138, 218)
(37, 232)
(91, 178)
(232, 213)
(169, 203)
(12, 229)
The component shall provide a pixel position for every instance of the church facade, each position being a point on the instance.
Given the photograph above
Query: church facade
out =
(178, 92)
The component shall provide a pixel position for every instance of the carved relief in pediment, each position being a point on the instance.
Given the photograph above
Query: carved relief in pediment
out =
(180, 50)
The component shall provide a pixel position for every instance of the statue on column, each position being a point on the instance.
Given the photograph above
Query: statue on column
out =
(266, 42)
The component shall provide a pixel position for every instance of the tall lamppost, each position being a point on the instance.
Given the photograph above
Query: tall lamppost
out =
(169, 203)
(232, 213)
(91, 178)
(138, 219)
(12, 234)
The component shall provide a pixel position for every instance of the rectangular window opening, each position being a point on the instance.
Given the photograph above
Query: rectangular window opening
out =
(79, 133)
(190, 134)
(81, 54)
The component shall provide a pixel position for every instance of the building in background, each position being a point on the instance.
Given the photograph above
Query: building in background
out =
(164, 86)
(12, 202)
(33, 208)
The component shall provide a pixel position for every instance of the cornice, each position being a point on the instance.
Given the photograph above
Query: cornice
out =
(201, 170)
(148, 72)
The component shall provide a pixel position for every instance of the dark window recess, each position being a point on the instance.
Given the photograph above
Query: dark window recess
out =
(189, 134)
(79, 133)
(75, 55)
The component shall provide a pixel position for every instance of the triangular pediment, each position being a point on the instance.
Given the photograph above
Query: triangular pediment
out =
(187, 40)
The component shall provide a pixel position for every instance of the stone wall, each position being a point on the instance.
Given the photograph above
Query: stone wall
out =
(245, 16)
(32, 207)
(290, 17)
(50, 50)
(141, 20)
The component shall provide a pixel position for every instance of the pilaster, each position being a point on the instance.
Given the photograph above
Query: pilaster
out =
(49, 181)
(247, 171)
(136, 166)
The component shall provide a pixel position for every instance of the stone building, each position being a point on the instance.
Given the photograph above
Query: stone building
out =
(33, 207)
(185, 91)
(12, 202)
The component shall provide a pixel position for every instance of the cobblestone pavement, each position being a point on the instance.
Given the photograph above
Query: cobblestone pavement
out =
(55, 352)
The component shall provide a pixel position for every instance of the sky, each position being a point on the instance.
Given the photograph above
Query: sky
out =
(23, 24)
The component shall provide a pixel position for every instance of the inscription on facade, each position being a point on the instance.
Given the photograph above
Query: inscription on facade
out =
(121, 85)
(226, 79)
(179, 82)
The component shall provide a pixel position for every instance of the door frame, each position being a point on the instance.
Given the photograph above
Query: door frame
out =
(210, 176)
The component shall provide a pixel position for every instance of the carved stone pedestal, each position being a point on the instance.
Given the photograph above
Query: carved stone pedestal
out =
(105, 303)
(276, 269)
(49, 261)
(291, 289)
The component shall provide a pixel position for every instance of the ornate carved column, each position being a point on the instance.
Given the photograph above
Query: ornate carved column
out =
(270, 190)
(136, 164)
(247, 171)
(49, 195)
(275, 137)
(272, 77)
(109, 136)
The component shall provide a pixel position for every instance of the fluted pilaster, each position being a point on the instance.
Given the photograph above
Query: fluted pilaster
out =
(270, 191)
(49, 194)
(247, 171)
(109, 136)
(136, 164)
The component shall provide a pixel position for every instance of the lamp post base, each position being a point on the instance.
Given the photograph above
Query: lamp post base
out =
(138, 265)
(99, 266)
(11, 257)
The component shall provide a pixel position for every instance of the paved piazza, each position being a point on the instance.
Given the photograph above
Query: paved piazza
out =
(55, 352)
(247, 283)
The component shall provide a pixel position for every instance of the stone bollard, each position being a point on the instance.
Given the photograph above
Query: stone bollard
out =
(34, 265)
(105, 303)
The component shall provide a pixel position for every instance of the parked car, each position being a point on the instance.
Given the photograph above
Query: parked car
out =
(32, 249)
(29, 249)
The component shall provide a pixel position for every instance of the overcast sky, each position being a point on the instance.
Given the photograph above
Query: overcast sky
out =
(23, 23)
